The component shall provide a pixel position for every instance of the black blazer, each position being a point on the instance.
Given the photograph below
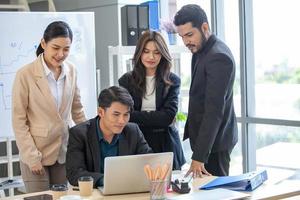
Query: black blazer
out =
(83, 154)
(157, 126)
(211, 124)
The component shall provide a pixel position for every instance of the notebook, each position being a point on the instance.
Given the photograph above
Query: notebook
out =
(125, 174)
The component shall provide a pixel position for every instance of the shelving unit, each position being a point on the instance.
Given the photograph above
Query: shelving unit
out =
(9, 159)
(123, 65)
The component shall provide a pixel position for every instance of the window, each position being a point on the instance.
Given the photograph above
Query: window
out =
(276, 82)
(202, 3)
(266, 98)
(276, 147)
(277, 60)
(230, 34)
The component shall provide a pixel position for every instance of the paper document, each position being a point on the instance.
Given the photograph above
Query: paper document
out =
(222, 194)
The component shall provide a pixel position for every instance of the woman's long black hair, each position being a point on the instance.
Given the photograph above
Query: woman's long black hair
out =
(163, 68)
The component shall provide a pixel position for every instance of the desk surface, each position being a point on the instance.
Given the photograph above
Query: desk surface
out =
(283, 190)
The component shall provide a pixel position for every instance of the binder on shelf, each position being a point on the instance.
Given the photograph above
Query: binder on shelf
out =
(153, 14)
(129, 21)
(244, 182)
(143, 19)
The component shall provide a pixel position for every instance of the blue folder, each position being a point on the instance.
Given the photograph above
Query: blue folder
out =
(153, 14)
(243, 182)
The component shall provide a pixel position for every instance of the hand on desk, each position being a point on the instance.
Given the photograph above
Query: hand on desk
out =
(197, 169)
(38, 169)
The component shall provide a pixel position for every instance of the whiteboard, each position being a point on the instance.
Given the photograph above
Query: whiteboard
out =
(21, 33)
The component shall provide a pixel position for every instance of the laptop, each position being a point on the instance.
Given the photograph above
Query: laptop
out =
(125, 174)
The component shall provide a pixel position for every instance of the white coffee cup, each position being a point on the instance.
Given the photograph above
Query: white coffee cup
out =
(85, 184)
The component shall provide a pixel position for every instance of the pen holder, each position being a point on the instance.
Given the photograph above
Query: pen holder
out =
(158, 189)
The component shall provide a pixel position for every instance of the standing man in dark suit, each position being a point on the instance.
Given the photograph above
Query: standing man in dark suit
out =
(211, 124)
(108, 134)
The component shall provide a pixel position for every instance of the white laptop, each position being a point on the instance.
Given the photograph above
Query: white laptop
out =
(125, 174)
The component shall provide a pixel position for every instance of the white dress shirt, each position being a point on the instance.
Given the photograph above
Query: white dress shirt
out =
(57, 89)
(149, 100)
(56, 86)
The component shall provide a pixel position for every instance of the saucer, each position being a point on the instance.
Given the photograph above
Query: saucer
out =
(70, 197)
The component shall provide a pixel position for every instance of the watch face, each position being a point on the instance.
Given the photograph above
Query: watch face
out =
(39, 197)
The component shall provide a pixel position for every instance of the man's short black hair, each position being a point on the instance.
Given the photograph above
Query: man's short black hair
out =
(190, 13)
(115, 94)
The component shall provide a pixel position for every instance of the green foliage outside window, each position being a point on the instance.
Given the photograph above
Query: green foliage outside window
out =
(180, 116)
(283, 73)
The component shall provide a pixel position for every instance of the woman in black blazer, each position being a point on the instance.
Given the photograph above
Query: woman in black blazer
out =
(155, 93)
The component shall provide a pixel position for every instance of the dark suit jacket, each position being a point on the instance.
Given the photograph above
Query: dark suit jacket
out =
(157, 126)
(83, 154)
(211, 124)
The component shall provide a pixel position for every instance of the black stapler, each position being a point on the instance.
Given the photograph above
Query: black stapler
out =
(181, 187)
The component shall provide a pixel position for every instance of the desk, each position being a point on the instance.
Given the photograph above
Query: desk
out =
(271, 192)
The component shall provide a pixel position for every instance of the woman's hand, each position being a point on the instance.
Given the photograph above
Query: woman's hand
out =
(38, 169)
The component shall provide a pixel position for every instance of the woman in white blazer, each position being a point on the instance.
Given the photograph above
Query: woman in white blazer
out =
(45, 100)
